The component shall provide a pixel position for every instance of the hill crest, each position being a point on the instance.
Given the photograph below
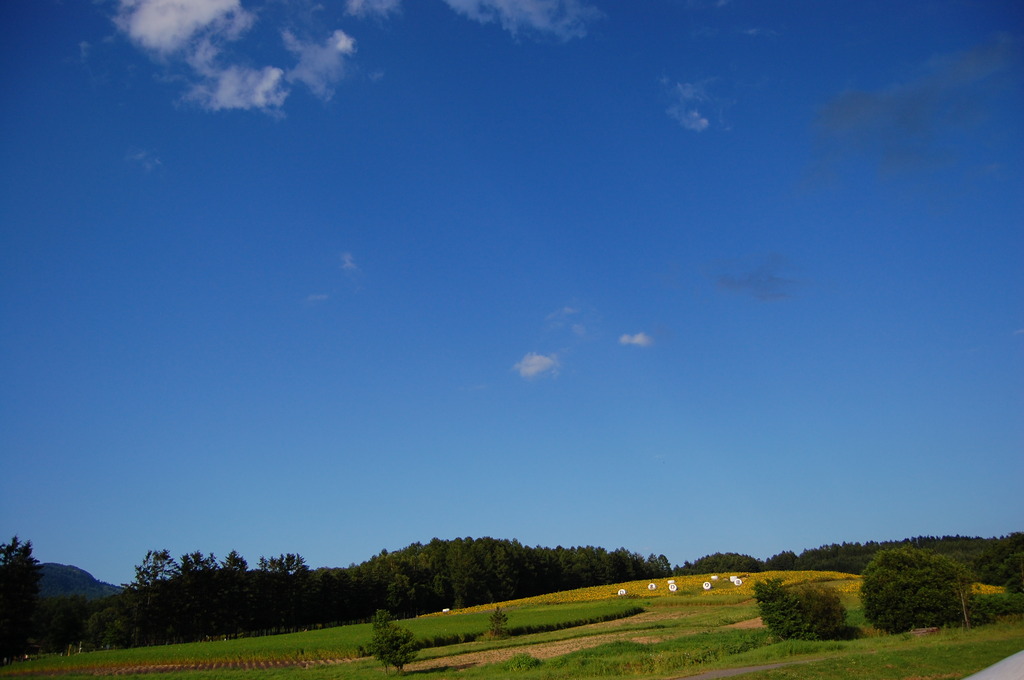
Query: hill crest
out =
(60, 580)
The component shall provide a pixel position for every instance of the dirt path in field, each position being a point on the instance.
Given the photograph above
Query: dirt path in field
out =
(548, 650)
(748, 624)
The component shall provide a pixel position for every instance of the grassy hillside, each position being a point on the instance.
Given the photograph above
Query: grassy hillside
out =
(584, 633)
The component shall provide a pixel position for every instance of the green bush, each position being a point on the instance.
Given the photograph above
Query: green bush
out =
(521, 662)
(988, 608)
(807, 612)
(906, 588)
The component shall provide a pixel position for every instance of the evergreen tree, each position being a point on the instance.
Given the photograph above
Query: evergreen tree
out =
(19, 594)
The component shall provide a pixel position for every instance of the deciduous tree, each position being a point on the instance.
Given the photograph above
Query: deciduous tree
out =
(391, 644)
(906, 588)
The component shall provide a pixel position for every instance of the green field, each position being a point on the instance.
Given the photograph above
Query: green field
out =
(673, 637)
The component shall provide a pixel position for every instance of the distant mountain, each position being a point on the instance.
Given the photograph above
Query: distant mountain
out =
(64, 579)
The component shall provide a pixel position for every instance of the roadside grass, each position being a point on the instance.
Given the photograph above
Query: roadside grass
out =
(948, 655)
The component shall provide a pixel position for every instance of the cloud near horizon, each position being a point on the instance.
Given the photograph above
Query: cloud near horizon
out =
(533, 365)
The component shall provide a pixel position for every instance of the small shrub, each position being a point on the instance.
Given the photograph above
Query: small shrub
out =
(521, 662)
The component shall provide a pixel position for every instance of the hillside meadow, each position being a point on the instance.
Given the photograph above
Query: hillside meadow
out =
(652, 631)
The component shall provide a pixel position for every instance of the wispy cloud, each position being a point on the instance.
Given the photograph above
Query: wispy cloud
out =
(316, 298)
(146, 160)
(638, 339)
(760, 32)
(563, 19)
(690, 105)
(763, 278)
(348, 262)
(366, 8)
(906, 125)
(568, 317)
(535, 365)
(321, 65)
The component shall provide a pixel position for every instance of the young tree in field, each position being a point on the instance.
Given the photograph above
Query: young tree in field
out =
(906, 588)
(19, 594)
(391, 644)
(499, 624)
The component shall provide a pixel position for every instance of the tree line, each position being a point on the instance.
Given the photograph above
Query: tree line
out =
(989, 557)
(198, 597)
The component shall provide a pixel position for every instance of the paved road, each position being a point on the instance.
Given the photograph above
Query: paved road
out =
(730, 672)
(1010, 668)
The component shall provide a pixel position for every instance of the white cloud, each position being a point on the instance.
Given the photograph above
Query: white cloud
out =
(363, 8)
(237, 87)
(564, 19)
(320, 65)
(689, 98)
(533, 365)
(314, 298)
(195, 31)
(639, 339)
(167, 26)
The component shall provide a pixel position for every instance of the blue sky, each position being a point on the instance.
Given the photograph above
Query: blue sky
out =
(681, 276)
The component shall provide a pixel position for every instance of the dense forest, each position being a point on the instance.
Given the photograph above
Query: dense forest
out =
(849, 558)
(198, 597)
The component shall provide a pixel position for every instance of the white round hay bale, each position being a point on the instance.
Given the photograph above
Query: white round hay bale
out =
(738, 582)
(671, 580)
(707, 585)
(673, 587)
(622, 591)
(652, 586)
(715, 577)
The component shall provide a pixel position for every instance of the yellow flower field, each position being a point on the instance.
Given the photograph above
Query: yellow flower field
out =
(694, 585)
